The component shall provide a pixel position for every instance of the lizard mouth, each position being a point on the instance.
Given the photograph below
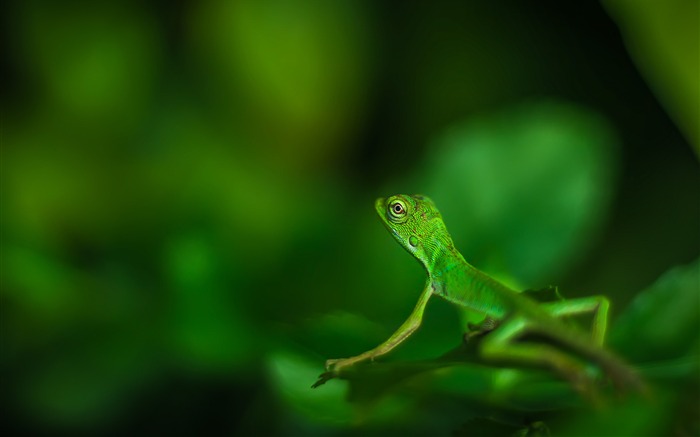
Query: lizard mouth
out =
(380, 206)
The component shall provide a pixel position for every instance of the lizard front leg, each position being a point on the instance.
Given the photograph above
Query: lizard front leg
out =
(404, 331)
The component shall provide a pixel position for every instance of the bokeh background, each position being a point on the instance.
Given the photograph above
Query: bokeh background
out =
(187, 216)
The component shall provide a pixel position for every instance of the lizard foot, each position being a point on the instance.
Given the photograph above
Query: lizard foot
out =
(334, 366)
(476, 330)
(323, 378)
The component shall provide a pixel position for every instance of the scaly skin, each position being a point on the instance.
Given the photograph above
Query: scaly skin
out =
(417, 225)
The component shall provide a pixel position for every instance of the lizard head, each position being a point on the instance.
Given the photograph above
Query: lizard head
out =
(415, 223)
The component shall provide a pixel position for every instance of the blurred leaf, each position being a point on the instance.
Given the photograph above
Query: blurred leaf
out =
(662, 37)
(524, 191)
(96, 63)
(57, 189)
(37, 282)
(88, 381)
(296, 69)
(663, 321)
(292, 375)
(209, 327)
(624, 417)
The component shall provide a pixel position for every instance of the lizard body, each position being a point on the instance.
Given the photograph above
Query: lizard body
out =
(415, 222)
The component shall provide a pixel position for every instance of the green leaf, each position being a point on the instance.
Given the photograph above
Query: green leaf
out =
(209, 328)
(299, 66)
(97, 65)
(524, 191)
(662, 38)
(663, 322)
(90, 381)
(292, 374)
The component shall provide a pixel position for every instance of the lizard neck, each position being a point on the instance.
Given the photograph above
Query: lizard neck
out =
(443, 258)
(454, 279)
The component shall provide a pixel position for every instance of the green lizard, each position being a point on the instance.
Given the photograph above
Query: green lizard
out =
(417, 225)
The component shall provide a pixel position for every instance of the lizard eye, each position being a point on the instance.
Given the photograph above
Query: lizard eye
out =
(397, 209)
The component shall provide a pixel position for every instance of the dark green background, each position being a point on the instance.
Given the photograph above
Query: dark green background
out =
(187, 217)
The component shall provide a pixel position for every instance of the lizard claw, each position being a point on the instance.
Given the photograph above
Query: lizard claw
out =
(332, 368)
(323, 378)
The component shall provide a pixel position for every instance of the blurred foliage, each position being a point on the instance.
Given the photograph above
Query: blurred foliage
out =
(526, 189)
(664, 315)
(662, 37)
(186, 219)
